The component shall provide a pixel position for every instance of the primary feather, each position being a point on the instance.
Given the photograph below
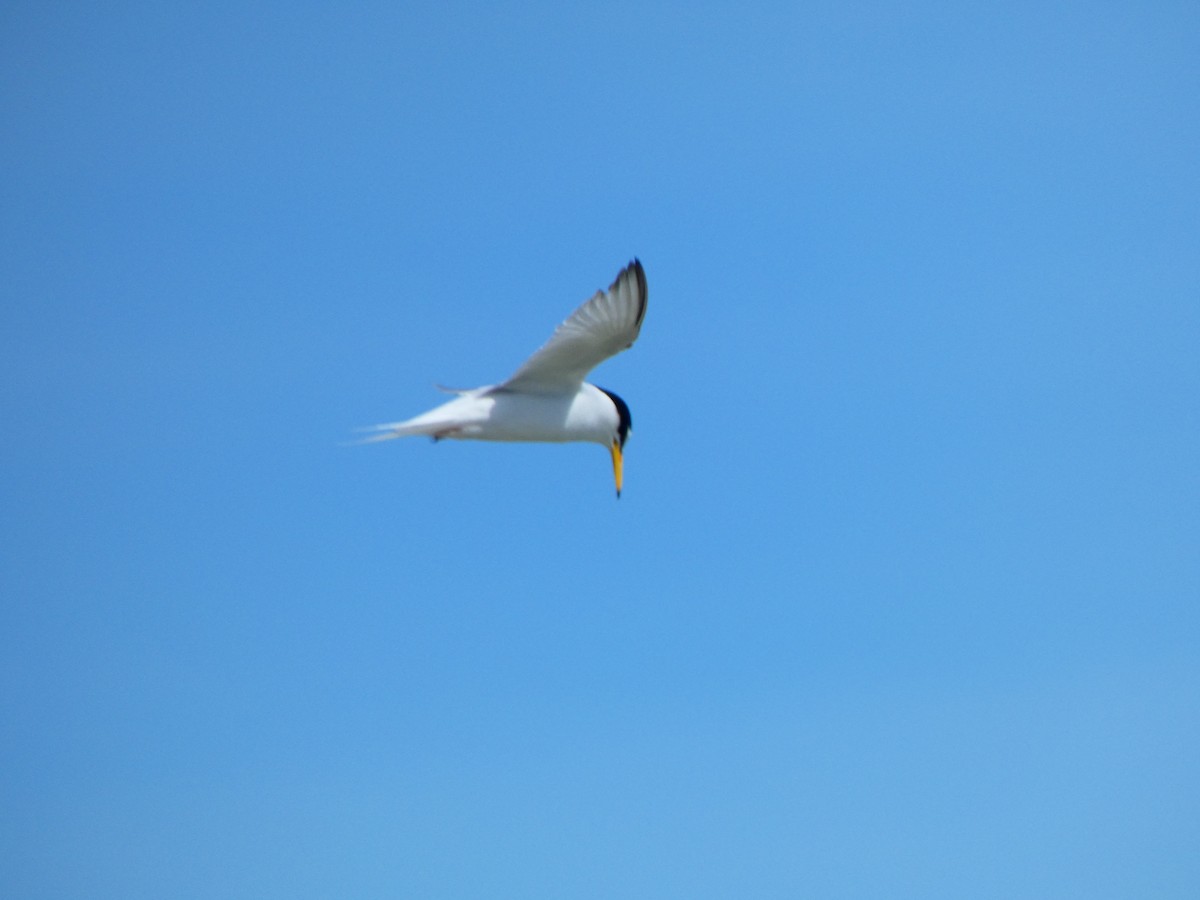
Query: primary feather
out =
(603, 326)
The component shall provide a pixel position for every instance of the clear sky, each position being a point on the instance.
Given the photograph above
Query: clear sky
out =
(901, 596)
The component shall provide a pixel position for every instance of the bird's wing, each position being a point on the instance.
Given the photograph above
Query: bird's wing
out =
(603, 326)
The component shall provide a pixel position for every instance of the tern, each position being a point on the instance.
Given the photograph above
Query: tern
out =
(547, 399)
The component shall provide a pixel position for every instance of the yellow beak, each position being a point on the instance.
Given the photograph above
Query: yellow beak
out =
(618, 465)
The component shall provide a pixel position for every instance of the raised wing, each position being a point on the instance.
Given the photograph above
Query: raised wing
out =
(602, 327)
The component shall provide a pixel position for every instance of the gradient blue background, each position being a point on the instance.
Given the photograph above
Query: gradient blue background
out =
(901, 597)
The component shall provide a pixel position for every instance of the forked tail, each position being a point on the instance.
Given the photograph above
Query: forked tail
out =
(435, 430)
(389, 432)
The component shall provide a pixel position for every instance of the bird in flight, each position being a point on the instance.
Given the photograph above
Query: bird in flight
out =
(546, 399)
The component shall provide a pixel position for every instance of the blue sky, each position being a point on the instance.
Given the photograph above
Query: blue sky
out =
(901, 596)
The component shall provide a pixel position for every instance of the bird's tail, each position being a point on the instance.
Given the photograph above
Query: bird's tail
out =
(448, 420)
(377, 433)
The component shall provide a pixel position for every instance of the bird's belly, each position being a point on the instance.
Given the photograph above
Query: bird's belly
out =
(532, 417)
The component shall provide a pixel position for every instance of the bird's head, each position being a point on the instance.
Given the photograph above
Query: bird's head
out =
(616, 444)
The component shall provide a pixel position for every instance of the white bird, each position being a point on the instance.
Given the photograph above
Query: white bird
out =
(547, 399)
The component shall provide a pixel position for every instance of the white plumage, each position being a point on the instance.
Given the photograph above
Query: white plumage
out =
(546, 399)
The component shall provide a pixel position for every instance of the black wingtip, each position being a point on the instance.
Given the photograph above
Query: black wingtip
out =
(635, 267)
